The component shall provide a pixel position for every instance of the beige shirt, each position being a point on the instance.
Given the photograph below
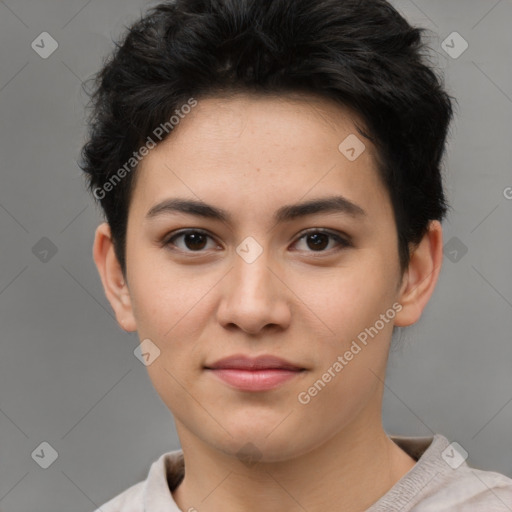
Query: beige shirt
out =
(441, 481)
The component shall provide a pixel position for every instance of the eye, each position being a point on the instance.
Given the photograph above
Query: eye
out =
(196, 240)
(193, 240)
(318, 240)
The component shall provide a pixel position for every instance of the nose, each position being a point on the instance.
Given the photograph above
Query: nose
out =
(254, 297)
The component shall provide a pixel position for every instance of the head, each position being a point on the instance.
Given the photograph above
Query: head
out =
(270, 175)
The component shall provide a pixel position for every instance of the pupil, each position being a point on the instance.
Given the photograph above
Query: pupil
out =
(320, 241)
(193, 240)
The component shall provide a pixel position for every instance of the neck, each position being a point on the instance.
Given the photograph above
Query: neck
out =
(349, 472)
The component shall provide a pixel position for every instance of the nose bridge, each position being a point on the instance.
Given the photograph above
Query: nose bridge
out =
(251, 275)
(253, 296)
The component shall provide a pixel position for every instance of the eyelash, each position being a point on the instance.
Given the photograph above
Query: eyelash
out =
(343, 243)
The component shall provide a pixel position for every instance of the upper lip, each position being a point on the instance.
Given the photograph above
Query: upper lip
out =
(243, 362)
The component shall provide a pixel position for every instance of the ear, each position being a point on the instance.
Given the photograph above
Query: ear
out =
(114, 282)
(421, 276)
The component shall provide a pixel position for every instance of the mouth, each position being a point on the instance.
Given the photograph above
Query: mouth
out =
(262, 373)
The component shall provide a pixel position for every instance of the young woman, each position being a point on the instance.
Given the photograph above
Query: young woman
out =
(270, 177)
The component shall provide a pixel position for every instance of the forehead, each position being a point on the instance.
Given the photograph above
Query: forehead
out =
(277, 147)
(267, 118)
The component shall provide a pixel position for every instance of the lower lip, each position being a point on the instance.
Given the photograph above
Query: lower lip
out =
(254, 380)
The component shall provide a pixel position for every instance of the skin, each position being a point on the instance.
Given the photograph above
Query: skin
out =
(251, 155)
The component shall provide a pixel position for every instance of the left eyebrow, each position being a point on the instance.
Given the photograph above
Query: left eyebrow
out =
(334, 204)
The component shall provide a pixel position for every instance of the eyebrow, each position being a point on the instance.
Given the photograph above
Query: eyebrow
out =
(333, 204)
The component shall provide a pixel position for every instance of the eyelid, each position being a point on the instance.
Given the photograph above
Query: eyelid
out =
(166, 241)
(343, 241)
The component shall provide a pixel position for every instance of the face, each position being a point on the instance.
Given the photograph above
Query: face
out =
(255, 274)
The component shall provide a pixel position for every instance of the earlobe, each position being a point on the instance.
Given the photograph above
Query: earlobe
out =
(421, 276)
(114, 285)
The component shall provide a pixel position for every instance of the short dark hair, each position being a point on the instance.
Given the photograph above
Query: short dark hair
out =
(360, 53)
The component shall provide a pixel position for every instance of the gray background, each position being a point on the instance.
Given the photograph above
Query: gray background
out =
(68, 375)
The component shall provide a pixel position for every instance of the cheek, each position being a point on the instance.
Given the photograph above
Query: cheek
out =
(345, 301)
(165, 302)
(349, 306)
(171, 309)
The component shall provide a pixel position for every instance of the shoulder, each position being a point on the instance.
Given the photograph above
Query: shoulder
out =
(130, 500)
(442, 481)
(468, 489)
(456, 486)
(153, 493)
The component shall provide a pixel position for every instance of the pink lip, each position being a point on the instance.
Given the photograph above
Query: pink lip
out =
(254, 380)
(243, 362)
(254, 374)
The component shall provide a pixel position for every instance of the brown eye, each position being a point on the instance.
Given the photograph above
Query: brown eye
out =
(192, 240)
(195, 241)
(318, 241)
